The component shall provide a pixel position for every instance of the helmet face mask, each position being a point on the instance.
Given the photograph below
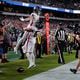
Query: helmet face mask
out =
(37, 9)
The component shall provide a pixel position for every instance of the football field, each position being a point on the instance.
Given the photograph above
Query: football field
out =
(9, 70)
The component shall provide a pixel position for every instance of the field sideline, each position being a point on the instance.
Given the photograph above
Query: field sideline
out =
(44, 64)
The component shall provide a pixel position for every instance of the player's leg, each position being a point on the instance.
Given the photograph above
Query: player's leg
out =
(78, 64)
(20, 41)
(29, 57)
(29, 53)
(33, 59)
(33, 48)
(24, 47)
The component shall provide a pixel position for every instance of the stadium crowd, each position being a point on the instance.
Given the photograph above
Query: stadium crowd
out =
(11, 28)
(71, 4)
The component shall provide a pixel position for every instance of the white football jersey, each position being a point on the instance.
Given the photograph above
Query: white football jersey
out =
(32, 23)
(35, 19)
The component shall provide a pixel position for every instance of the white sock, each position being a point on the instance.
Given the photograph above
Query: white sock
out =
(33, 58)
(29, 57)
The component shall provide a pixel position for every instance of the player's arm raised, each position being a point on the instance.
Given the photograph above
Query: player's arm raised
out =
(26, 19)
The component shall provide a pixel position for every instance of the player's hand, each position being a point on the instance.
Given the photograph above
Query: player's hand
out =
(22, 19)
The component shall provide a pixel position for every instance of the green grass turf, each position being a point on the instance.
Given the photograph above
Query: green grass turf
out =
(44, 64)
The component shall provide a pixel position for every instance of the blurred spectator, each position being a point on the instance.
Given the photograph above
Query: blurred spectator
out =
(72, 4)
(70, 42)
(38, 45)
(6, 44)
(1, 42)
(44, 44)
(77, 42)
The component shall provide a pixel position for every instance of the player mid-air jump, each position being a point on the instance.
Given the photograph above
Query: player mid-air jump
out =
(29, 36)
